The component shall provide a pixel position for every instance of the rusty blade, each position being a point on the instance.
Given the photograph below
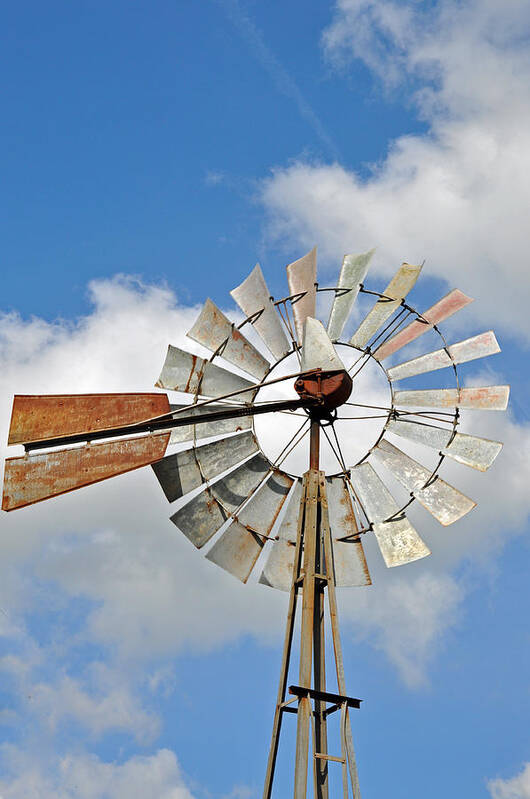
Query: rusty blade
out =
(278, 569)
(479, 453)
(444, 502)
(207, 429)
(254, 299)
(240, 545)
(469, 350)
(352, 274)
(46, 416)
(302, 277)
(483, 398)
(349, 562)
(441, 310)
(215, 332)
(396, 537)
(182, 472)
(317, 351)
(32, 478)
(190, 374)
(398, 288)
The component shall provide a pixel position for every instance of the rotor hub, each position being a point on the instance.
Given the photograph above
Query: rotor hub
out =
(329, 389)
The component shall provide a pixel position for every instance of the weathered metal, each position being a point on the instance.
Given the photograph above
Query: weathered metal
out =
(32, 478)
(349, 562)
(469, 350)
(302, 278)
(211, 428)
(317, 350)
(441, 310)
(278, 569)
(190, 374)
(329, 391)
(483, 398)
(254, 299)
(217, 333)
(352, 274)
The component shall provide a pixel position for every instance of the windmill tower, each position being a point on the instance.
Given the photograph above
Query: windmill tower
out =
(240, 505)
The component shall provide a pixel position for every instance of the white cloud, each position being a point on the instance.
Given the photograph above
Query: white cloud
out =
(517, 787)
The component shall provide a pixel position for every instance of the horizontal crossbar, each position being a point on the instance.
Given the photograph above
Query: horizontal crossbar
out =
(324, 696)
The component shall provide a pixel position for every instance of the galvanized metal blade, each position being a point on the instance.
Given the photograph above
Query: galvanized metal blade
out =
(469, 350)
(396, 537)
(240, 545)
(47, 416)
(302, 278)
(278, 569)
(441, 310)
(317, 350)
(190, 374)
(207, 429)
(215, 332)
(479, 453)
(398, 288)
(483, 398)
(352, 274)
(254, 299)
(444, 502)
(182, 472)
(349, 561)
(33, 478)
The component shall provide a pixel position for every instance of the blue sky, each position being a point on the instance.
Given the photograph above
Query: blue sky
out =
(152, 153)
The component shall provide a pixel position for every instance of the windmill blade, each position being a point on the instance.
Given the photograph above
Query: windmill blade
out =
(317, 350)
(483, 398)
(397, 539)
(352, 274)
(278, 570)
(213, 330)
(302, 277)
(398, 288)
(240, 545)
(254, 299)
(47, 416)
(479, 453)
(444, 502)
(207, 429)
(469, 350)
(190, 374)
(33, 478)
(441, 310)
(202, 517)
(349, 561)
(182, 472)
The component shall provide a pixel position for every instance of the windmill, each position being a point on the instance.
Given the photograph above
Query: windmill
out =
(239, 504)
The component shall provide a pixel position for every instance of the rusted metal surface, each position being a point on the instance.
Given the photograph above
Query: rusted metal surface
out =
(206, 429)
(469, 350)
(301, 277)
(397, 539)
(483, 398)
(327, 391)
(398, 288)
(254, 299)
(182, 472)
(32, 478)
(479, 453)
(444, 502)
(352, 274)
(215, 332)
(278, 569)
(441, 310)
(349, 561)
(41, 417)
(317, 350)
(190, 374)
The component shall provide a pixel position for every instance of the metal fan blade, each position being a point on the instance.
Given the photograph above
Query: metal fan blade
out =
(469, 350)
(202, 517)
(32, 478)
(397, 539)
(206, 429)
(49, 416)
(398, 288)
(215, 332)
(349, 562)
(254, 299)
(302, 277)
(185, 372)
(483, 398)
(441, 310)
(317, 351)
(479, 453)
(278, 570)
(240, 545)
(352, 274)
(182, 472)
(444, 502)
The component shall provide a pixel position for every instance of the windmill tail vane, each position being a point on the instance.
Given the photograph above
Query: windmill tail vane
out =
(228, 498)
